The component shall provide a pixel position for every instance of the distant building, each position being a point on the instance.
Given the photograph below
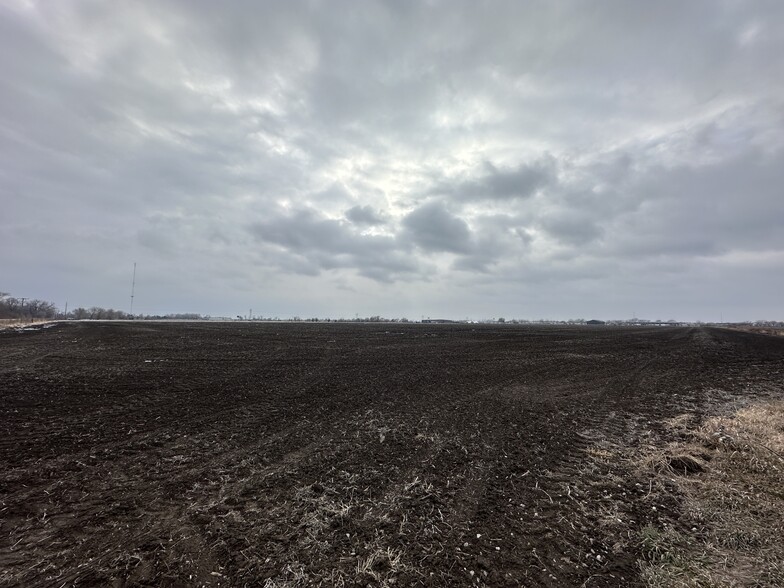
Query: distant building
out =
(595, 322)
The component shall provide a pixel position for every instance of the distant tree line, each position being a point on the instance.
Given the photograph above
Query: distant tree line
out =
(97, 313)
(19, 308)
(24, 308)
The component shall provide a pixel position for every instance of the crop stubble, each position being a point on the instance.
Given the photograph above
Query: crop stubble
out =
(168, 454)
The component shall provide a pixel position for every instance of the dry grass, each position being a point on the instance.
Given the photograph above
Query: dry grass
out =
(23, 322)
(775, 331)
(730, 473)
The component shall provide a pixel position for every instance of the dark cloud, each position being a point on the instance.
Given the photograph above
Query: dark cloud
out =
(314, 242)
(497, 237)
(494, 183)
(434, 229)
(364, 215)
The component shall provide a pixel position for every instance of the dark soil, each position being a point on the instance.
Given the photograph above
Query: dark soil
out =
(139, 454)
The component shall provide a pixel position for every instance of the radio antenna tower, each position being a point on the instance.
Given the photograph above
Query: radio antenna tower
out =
(133, 286)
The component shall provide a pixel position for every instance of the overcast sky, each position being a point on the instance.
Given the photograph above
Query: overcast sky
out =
(537, 159)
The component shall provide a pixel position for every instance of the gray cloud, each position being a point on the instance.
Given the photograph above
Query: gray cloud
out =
(364, 215)
(495, 183)
(311, 243)
(433, 228)
(571, 228)
(369, 157)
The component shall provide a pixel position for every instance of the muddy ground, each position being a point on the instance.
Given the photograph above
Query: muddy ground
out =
(347, 455)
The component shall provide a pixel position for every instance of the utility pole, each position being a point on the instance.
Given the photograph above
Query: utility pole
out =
(133, 286)
(65, 314)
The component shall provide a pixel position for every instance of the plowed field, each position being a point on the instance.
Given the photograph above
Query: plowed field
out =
(216, 454)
